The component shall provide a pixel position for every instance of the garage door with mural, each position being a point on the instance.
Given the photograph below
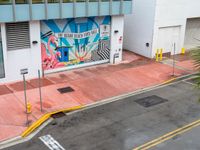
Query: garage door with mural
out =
(72, 42)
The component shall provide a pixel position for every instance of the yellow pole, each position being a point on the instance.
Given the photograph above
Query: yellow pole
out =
(157, 53)
(161, 54)
(183, 51)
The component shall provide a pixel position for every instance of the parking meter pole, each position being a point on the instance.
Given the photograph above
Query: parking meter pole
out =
(39, 85)
(25, 98)
(174, 59)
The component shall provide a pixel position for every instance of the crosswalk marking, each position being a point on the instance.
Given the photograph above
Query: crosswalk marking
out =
(51, 143)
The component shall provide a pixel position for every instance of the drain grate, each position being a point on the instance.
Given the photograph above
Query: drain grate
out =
(150, 101)
(58, 115)
(65, 90)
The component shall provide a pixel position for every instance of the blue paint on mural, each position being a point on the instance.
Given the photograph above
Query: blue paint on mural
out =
(69, 42)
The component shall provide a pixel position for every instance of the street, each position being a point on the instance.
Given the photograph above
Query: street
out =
(125, 124)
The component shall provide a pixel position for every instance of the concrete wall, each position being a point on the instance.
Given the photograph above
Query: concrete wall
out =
(174, 13)
(138, 29)
(23, 58)
(117, 28)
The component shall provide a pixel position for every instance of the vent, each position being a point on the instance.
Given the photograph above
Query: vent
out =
(65, 90)
(17, 35)
(150, 101)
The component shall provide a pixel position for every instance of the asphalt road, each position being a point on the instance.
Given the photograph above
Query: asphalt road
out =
(125, 124)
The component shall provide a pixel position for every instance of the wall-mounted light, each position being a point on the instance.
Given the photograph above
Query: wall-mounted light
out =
(147, 44)
(116, 31)
(34, 42)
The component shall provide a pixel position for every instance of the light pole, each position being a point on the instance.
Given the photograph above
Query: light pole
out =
(174, 60)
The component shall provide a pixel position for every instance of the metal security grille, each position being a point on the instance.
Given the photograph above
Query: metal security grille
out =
(17, 35)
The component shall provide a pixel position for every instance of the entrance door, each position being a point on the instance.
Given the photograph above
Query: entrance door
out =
(2, 72)
(167, 36)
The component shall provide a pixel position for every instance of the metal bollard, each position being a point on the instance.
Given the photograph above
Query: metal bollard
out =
(157, 55)
(183, 51)
(161, 54)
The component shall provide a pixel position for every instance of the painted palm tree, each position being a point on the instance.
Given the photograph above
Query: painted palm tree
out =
(196, 57)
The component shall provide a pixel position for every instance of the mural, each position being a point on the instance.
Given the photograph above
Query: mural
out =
(77, 41)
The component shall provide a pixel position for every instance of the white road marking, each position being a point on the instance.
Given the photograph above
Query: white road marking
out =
(190, 83)
(51, 143)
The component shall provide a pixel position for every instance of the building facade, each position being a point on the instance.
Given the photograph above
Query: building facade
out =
(57, 35)
(157, 24)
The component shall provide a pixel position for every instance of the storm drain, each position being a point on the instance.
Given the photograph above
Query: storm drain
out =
(65, 90)
(58, 115)
(150, 101)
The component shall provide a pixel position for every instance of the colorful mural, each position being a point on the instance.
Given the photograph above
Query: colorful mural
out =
(70, 42)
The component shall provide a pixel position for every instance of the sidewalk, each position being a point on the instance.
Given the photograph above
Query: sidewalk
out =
(89, 84)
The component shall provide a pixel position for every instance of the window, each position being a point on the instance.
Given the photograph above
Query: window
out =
(5, 2)
(17, 35)
(21, 1)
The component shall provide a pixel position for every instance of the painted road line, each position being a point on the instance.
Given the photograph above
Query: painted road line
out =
(51, 143)
(190, 83)
(168, 136)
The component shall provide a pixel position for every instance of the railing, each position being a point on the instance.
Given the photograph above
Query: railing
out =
(6, 2)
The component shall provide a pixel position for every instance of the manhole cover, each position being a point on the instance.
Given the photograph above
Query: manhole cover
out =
(150, 101)
(65, 90)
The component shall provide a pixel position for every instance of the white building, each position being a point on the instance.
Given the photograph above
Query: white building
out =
(157, 24)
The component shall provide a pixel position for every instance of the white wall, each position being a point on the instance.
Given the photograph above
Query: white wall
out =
(117, 24)
(138, 28)
(24, 58)
(174, 13)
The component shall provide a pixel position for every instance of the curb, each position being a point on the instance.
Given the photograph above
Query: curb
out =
(45, 117)
(175, 79)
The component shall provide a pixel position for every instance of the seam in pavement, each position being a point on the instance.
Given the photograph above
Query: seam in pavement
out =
(30, 132)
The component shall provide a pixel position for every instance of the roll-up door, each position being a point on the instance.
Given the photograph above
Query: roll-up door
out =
(192, 33)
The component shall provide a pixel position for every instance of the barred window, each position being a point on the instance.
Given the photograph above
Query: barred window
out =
(17, 35)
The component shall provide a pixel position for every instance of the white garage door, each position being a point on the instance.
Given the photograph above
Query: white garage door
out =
(167, 36)
(192, 33)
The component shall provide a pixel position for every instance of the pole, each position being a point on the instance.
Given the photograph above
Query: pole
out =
(174, 59)
(25, 98)
(39, 85)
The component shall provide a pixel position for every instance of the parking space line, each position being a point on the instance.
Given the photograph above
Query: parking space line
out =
(168, 136)
(51, 143)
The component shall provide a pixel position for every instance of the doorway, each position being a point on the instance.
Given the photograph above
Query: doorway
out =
(167, 36)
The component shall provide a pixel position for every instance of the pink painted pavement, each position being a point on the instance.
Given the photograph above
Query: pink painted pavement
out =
(90, 85)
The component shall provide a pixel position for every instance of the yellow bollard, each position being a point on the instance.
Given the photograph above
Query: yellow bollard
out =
(183, 51)
(157, 55)
(28, 108)
(161, 54)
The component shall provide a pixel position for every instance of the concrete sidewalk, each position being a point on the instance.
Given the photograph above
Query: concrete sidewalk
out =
(90, 85)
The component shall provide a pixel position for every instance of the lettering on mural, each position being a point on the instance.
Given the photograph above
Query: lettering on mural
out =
(77, 35)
